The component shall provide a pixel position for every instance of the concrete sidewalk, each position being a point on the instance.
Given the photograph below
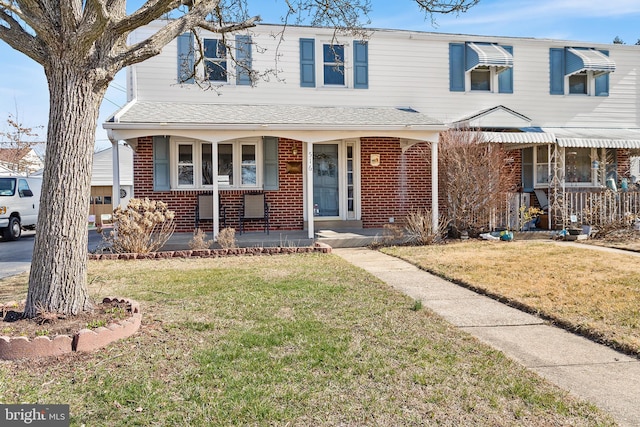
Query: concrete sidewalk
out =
(593, 372)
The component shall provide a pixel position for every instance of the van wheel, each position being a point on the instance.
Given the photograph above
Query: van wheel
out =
(13, 231)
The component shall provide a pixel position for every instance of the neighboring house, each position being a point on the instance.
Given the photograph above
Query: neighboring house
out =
(101, 201)
(21, 160)
(347, 134)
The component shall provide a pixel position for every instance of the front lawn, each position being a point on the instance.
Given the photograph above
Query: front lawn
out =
(594, 292)
(284, 340)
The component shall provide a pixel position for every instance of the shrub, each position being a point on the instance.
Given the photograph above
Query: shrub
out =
(143, 226)
(419, 228)
(227, 238)
(199, 240)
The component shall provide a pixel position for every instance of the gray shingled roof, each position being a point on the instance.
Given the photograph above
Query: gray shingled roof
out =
(144, 112)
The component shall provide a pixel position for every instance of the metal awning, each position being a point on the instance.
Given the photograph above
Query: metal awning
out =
(519, 137)
(579, 60)
(488, 54)
(596, 137)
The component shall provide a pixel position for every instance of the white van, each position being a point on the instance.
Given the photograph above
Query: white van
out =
(19, 204)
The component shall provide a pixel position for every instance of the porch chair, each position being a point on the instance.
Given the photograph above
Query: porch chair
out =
(91, 222)
(254, 206)
(106, 221)
(204, 209)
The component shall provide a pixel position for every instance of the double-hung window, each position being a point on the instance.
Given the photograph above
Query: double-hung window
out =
(579, 71)
(480, 67)
(336, 65)
(215, 60)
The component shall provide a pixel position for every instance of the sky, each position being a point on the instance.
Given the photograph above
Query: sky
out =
(24, 92)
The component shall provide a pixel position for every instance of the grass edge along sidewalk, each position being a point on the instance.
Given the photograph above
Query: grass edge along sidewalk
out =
(288, 340)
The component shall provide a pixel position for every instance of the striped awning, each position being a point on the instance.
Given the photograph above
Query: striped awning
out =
(596, 137)
(488, 54)
(579, 60)
(519, 137)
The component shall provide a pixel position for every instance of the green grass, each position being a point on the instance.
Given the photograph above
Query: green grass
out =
(587, 290)
(284, 340)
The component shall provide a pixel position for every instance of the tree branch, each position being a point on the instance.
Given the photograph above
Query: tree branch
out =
(19, 39)
(148, 12)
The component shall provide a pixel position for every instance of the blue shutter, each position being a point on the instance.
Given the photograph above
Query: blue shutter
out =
(307, 63)
(602, 82)
(243, 59)
(185, 58)
(556, 71)
(360, 64)
(161, 174)
(456, 67)
(505, 78)
(270, 149)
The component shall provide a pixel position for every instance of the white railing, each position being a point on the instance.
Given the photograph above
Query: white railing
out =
(601, 208)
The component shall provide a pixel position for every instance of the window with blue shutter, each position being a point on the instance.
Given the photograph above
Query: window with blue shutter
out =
(602, 81)
(307, 63)
(505, 78)
(243, 59)
(270, 146)
(185, 58)
(456, 67)
(161, 175)
(360, 64)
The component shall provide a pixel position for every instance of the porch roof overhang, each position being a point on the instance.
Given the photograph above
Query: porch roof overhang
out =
(596, 137)
(519, 137)
(306, 123)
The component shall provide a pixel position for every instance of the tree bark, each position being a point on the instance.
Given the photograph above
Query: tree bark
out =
(58, 278)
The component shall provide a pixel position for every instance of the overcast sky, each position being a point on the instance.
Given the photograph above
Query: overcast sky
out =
(23, 87)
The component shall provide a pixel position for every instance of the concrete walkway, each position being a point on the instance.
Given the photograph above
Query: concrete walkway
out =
(596, 373)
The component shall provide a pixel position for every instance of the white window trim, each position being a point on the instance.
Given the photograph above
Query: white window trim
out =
(592, 183)
(197, 164)
(203, 67)
(591, 85)
(348, 53)
(493, 81)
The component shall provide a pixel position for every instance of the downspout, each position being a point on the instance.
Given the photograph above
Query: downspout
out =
(115, 159)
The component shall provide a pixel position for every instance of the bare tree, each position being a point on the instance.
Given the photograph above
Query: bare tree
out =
(477, 178)
(82, 44)
(16, 147)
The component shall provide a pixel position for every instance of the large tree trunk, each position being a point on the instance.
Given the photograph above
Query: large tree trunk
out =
(58, 278)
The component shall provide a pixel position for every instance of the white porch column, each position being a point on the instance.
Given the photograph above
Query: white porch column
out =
(216, 189)
(310, 222)
(115, 158)
(434, 187)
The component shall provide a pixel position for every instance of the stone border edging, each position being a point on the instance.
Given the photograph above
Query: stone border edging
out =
(86, 340)
(216, 253)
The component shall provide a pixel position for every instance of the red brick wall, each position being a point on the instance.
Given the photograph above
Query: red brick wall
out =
(400, 183)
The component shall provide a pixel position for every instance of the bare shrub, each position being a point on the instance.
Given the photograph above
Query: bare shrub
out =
(419, 228)
(199, 240)
(143, 226)
(227, 238)
(477, 178)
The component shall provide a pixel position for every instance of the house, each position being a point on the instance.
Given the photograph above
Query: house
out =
(101, 201)
(346, 134)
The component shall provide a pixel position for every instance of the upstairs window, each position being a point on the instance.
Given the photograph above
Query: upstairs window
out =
(215, 60)
(482, 67)
(579, 71)
(337, 65)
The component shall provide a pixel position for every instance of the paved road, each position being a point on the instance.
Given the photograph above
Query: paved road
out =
(15, 257)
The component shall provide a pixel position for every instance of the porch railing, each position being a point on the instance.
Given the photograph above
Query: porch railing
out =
(600, 208)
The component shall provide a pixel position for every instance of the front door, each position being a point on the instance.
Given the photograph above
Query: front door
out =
(326, 181)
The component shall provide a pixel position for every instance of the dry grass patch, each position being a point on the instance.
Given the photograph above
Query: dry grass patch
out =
(591, 291)
(286, 340)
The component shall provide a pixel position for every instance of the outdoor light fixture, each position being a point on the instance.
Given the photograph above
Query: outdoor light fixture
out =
(294, 150)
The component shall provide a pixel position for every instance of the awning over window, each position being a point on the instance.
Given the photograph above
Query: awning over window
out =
(579, 60)
(488, 54)
(519, 137)
(596, 137)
